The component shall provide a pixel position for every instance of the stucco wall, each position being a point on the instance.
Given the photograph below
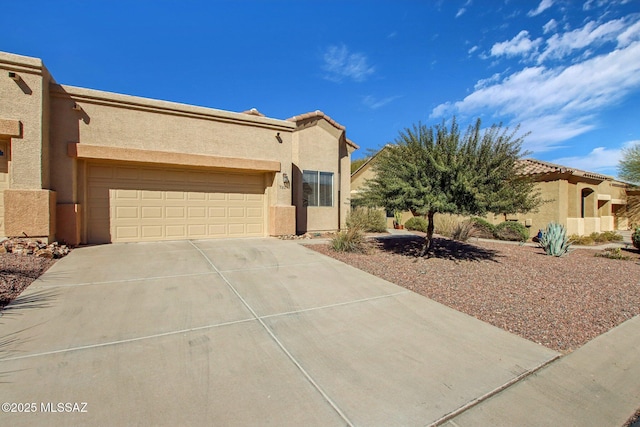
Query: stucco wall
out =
(23, 100)
(114, 120)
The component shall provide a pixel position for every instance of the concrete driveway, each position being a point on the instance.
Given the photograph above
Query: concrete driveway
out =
(242, 332)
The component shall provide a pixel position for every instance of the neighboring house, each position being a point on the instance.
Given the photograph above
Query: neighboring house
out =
(584, 202)
(86, 166)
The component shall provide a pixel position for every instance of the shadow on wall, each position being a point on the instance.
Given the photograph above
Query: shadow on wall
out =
(65, 121)
(297, 193)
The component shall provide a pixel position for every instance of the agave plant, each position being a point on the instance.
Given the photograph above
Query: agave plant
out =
(554, 240)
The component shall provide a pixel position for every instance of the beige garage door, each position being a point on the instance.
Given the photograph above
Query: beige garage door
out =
(131, 204)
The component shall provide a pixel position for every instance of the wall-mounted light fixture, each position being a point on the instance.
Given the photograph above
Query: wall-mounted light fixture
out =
(278, 137)
(76, 107)
(285, 180)
(14, 76)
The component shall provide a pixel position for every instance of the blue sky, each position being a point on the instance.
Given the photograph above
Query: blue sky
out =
(567, 71)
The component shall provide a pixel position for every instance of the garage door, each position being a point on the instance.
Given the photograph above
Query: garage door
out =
(130, 204)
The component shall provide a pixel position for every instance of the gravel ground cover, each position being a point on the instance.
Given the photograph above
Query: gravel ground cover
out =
(17, 272)
(561, 303)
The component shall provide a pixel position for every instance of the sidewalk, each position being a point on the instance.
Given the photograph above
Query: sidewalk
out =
(596, 385)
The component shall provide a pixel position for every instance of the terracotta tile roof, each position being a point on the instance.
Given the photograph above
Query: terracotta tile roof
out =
(351, 143)
(314, 114)
(539, 167)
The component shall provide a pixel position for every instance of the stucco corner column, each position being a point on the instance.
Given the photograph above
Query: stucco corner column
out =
(30, 213)
(282, 220)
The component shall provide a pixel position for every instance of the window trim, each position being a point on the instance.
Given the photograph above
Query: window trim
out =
(316, 190)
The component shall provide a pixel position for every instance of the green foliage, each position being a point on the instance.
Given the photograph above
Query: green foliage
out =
(511, 230)
(370, 220)
(463, 231)
(629, 166)
(397, 217)
(635, 238)
(357, 163)
(438, 170)
(613, 253)
(554, 240)
(351, 240)
(483, 228)
(416, 223)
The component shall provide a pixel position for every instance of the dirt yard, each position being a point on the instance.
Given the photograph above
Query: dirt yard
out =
(561, 303)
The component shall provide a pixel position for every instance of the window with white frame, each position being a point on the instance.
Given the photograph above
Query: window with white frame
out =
(317, 188)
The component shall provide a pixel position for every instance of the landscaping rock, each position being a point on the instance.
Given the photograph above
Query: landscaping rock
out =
(26, 246)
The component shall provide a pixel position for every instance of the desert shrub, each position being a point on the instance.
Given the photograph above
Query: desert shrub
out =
(581, 240)
(445, 224)
(416, 223)
(635, 238)
(511, 230)
(372, 220)
(350, 240)
(613, 253)
(554, 240)
(610, 236)
(483, 228)
(596, 238)
(463, 231)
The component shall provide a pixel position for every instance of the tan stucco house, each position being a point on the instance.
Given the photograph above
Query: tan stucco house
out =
(584, 202)
(86, 166)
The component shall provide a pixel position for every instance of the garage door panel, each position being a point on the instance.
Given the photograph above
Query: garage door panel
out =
(175, 212)
(127, 232)
(151, 212)
(149, 232)
(127, 212)
(131, 204)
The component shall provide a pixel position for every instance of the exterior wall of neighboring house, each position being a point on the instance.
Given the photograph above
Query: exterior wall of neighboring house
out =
(83, 165)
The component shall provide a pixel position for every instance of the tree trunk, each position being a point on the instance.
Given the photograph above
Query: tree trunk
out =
(427, 247)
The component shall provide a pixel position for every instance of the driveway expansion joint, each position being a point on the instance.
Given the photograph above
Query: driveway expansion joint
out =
(109, 282)
(125, 341)
(277, 341)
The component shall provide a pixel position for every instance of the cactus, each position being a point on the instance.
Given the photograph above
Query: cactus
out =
(554, 240)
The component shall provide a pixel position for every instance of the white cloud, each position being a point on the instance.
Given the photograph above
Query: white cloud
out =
(487, 82)
(592, 34)
(519, 45)
(629, 35)
(544, 5)
(340, 64)
(555, 103)
(600, 159)
(461, 12)
(473, 49)
(374, 103)
(550, 26)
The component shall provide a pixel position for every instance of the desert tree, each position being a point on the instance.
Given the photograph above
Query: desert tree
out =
(430, 170)
(629, 166)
